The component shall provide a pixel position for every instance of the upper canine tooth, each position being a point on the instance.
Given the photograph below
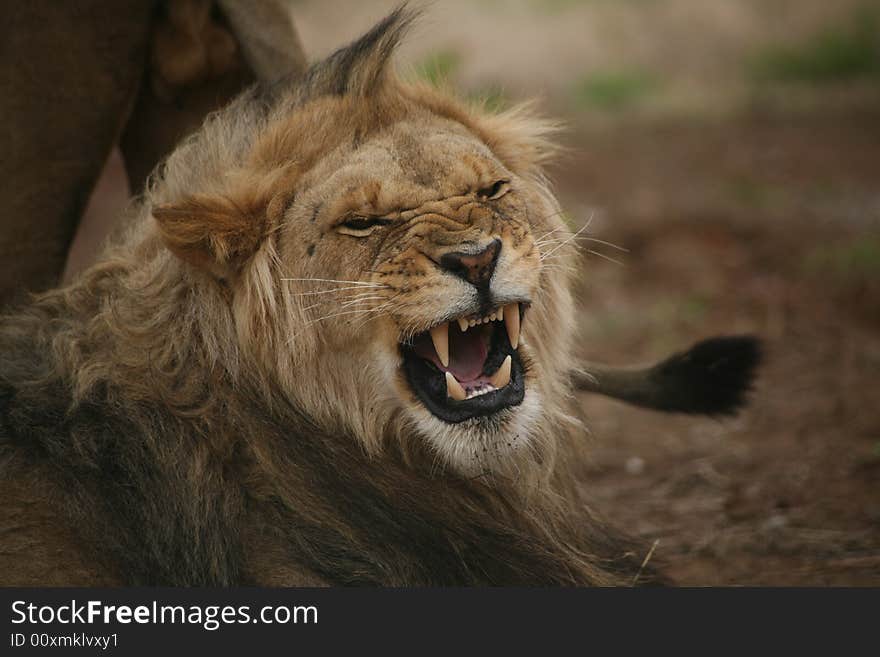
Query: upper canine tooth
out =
(462, 324)
(454, 389)
(511, 321)
(502, 377)
(440, 338)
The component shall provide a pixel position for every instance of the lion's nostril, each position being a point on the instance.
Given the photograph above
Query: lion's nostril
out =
(475, 268)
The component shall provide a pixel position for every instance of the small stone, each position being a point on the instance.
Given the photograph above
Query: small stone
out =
(775, 522)
(635, 465)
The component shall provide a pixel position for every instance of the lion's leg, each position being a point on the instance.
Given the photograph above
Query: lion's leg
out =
(195, 66)
(70, 74)
(156, 125)
(203, 53)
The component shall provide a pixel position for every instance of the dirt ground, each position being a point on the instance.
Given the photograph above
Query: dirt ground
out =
(769, 226)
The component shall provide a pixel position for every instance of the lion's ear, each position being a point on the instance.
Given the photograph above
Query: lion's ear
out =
(213, 233)
(360, 68)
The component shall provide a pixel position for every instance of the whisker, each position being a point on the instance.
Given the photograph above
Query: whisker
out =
(339, 289)
(606, 243)
(553, 230)
(359, 311)
(335, 280)
(369, 295)
(588, 238)
(355, 302)
(554, 267)
(586, 226)
(370, 318)
(340, 314)
(605, 257)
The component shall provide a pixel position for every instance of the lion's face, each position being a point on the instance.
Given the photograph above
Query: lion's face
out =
(415, 254)
(389, 256)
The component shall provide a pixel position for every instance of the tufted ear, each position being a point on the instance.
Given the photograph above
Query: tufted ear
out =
(359, 68)
(213, 233)
(220, 232)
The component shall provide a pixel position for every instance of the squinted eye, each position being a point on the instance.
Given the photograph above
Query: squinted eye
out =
(498, 189)
(361, 226)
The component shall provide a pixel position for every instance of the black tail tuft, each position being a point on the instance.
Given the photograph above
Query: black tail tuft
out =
(712, 377)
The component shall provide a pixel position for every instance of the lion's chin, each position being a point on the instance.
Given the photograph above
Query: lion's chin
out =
(483, 444)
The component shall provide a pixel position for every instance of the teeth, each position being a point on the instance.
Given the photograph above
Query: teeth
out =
(440, 338)
(454, 389)
(500, 379)
(482, 390)
(509, 314)
(511, 321)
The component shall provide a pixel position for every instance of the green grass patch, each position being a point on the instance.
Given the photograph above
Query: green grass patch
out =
(856, 259)
(610, 91)
(694, 308)
(751, 193)
(840, 53)
(491, 98)
(439, 67)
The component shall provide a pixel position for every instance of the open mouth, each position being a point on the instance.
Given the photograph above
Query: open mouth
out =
(468, 367)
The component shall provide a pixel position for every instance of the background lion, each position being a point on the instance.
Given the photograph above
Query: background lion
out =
(80, 78)
(334, 346)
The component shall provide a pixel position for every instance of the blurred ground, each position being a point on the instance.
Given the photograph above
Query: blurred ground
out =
(733, 148)
(768, 226)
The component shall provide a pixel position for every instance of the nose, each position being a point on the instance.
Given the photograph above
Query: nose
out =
(475, 268)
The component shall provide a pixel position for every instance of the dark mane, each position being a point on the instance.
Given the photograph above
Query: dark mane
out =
(159, 498)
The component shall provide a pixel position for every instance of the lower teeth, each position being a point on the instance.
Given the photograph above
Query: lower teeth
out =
(476, 392)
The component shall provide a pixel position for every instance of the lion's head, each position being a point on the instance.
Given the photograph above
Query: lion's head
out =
(388, 255)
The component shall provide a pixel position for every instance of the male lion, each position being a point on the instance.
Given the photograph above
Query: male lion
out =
(330, 349)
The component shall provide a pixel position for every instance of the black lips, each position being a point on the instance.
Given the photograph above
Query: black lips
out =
(429, 382)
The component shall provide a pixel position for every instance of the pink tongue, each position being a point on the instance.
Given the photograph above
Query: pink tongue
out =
(467, 352)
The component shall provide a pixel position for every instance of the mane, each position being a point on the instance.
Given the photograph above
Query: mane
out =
(154, 402)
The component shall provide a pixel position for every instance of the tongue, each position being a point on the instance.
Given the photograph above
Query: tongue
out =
(467, 351)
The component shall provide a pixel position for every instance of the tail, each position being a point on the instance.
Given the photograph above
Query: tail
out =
(712, 378)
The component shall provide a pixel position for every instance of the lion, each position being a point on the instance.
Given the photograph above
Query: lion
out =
(329, 349)
(135, 77)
